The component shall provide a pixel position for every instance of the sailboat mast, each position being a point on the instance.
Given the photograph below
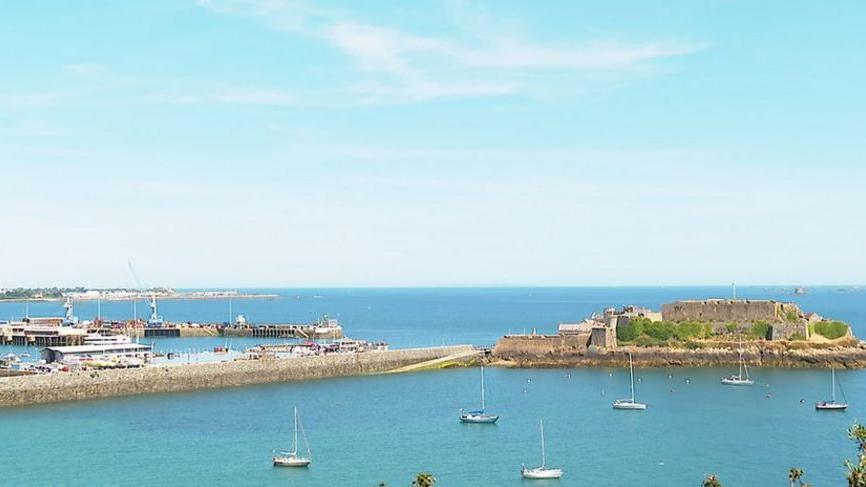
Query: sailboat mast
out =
(741, 365)
(295, 437)
(482, 388)
(631, 375)
(833, 384)
(543, 457)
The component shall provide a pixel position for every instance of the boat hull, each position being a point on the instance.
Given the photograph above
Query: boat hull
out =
(628, 405)
(291, 462)
(541, 473)
(830, 406)
(731, 381)
(479, 419)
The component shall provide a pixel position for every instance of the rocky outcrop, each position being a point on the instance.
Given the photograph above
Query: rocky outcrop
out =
(845, 353)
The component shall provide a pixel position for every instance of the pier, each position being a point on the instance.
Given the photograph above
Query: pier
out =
(72, 386)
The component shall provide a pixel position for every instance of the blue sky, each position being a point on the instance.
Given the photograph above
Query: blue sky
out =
(282, 143)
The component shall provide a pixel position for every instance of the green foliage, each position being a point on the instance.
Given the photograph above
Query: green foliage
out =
(795, 478)
(791, 316)
(692, 329)
(857, 471)
(830, 329)
(731, 327)
(424, 479)
(648, 341)
(760, 329)
(630, 332)
(642, 331)
(711, 481)
(660, 330)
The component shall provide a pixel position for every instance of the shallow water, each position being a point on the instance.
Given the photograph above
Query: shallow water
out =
(385, 428)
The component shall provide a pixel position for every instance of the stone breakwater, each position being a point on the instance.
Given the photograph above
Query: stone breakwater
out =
(20, 391)
(563, 352)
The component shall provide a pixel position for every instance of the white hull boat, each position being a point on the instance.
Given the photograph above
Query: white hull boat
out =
(542, 472)
(292, 458)
(740, 379)
(630, 403)
(287, 459)
(832, 405)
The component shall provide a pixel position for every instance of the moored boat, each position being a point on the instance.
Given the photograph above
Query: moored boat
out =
(832, 404)
(741, 378)
(629, 403)
(291, 458)
(479, 415)
(543, 471)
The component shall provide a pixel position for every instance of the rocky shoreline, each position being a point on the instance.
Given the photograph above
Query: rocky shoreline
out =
(766, 355)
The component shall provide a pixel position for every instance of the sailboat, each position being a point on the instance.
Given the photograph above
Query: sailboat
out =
(832, 405)
(541, 472)
(478, 416)
(739, 379)
(629, 403)
(291, 458)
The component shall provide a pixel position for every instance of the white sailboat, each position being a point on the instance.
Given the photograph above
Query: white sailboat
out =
(832, 405)
(291, 458)
(478, 416)
(740, 379)
(542, 472)
(629, 403)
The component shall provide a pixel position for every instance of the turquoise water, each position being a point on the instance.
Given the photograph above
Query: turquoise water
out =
(385, 428)
(425, 317)
(363, 430)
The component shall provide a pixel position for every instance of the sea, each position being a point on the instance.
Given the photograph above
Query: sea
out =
(363, 431)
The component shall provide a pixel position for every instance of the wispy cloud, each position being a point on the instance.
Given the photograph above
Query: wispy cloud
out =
(234, 95)
(401, 66)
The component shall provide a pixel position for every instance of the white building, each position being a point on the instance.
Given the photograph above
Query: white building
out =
(108, 351)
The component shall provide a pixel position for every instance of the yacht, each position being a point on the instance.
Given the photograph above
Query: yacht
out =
(291, 458)
(629, 403)
(542, 472)
(740, 379)
(832, 405)
(478, 416)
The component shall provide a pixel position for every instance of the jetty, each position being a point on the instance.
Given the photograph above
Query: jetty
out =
(85, 385)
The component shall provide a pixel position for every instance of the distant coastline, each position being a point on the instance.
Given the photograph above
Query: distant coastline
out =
(180, 295)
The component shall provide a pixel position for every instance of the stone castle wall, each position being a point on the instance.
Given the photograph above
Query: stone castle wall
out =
(730, 311)
(18, 391)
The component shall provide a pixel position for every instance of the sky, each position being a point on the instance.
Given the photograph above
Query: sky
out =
(260, 143)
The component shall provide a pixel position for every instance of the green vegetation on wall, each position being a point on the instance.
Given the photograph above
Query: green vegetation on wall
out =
(642, 331)
(760, 329)
(830, 329)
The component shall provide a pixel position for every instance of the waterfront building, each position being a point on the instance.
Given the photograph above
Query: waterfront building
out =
(102, 351)
(41, 332)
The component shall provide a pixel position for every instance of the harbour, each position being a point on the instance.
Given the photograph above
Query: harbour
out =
(579, 424)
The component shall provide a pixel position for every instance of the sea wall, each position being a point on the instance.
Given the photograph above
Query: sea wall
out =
(19, 391)
(549, 351)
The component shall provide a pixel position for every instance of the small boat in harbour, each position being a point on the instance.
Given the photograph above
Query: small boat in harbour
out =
(291, 458)
(479, 416)
(740, 379)
(832, 405)
(542, 472)
(629, 403)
